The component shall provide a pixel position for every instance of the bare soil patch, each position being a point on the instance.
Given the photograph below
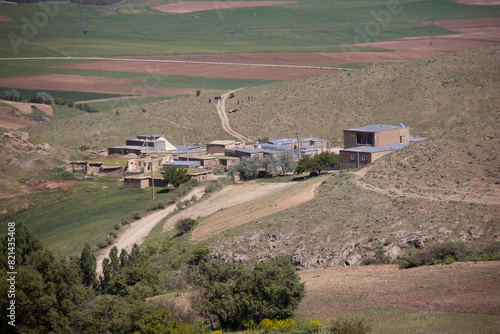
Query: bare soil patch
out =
(11, 122)
(258, 208)
(480, 2)
(4, 110)
(108, 99)
(4, 18)
(77, 83)
(198, 6)
(229, 196)
(473, 33)
(459, 287)
(25, 108)
(202, 70)
(50, 185)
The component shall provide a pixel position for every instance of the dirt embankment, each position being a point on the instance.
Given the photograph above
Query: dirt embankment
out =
(265, 205)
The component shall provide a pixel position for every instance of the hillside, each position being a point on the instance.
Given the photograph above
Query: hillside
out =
(429, 95)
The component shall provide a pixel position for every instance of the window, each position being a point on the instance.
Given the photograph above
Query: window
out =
(353, 156)
(400, 139)
(363, 157)
(363, 138)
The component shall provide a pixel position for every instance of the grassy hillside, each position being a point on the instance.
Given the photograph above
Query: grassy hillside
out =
(137, 29)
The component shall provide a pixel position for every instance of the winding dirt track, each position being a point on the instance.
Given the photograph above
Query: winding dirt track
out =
(221, 110)
(140, 229)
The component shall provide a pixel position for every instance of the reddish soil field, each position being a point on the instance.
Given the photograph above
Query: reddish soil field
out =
(480, 2)
(25, 108)
(469, 37)
(50, 185)
(4, 18)
(202, 70)
(459, 287)
(10, 122)
(198, 6)
(77, 83)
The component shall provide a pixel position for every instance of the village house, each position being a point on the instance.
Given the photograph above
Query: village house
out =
(366, 144)
(143, 144)
(220, 146)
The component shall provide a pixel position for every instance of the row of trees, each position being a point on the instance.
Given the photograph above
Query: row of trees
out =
(285, 163)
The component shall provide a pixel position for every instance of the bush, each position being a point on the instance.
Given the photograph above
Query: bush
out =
(198, 92)
(194, 198)
(136, 215)
(446, 252)
(41, 97)
(126, 220)
(117, 226)
(156, 206)
(185, 225)
(12, 95)
(169, 199)
(346, 326)
(179, 205)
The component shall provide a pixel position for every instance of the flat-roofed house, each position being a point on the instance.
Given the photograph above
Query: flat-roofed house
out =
(366, 144)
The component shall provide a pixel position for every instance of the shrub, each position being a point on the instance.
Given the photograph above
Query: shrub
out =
(198, 92)
(347, 326)
(179, 205)
(117, 226)
(184, 225)
(446, 252)
(194, 198)
(41, 97)
(156, 206)
(187, 202)
(12, 95)
(136, 215)
(126, 220)
(169, 199)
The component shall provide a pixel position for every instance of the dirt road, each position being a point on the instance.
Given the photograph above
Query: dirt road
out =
(221, 110)
(139, 230)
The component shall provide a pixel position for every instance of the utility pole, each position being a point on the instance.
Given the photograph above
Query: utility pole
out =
(297, 134)
(433, 37)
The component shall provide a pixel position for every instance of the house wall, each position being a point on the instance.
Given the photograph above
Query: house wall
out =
(395, 136)
(202, 176)
(346, 162)
(135, 183)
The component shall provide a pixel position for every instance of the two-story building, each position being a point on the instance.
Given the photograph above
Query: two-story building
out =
(366, 144)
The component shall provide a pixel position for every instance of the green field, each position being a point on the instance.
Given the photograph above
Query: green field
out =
(82, 214)
(315, 25)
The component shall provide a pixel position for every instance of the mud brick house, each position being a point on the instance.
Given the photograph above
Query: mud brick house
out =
(366, 144)
(205, 161)
(145, 164)
(219, 146)
(144, 144)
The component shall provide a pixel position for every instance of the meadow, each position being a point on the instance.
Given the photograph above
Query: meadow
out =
(85, 213)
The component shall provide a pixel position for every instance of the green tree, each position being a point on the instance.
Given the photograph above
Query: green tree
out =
(25, 244)
(88, 266)
(307, 164)
(231, 293)
(247, 167)
(184, 225)
(327, 160)
(287, 162)
(163, 322)
(271, 165)
(175, 176)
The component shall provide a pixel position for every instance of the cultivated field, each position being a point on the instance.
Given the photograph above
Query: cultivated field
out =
(243, 41)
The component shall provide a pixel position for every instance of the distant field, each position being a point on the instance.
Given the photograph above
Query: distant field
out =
(303, 32)
(86, 213)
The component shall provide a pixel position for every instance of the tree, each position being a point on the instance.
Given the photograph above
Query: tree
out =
(25, 244)
(42, 97)
(327, 160)
(88, 266)
(287, 162)
(12, 95)
(175, 176)
(247, 167)
(230, 293)
(271, 165)
(307, 164)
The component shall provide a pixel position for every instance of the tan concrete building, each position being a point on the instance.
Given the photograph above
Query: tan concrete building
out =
(219, 146)
(377, 135)
(366, 144)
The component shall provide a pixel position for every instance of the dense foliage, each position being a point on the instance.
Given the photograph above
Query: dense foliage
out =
(320, 161)
(12, 95)
(175, 176)
(230, 294)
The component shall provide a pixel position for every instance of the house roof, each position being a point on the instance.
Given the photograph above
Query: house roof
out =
(372, 149)
(222, 142)
(185, 149)
(182, 164)
(377, 128)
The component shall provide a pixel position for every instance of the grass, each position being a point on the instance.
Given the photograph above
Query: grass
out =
(316, 25)
(85, 213)
(389, 319)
